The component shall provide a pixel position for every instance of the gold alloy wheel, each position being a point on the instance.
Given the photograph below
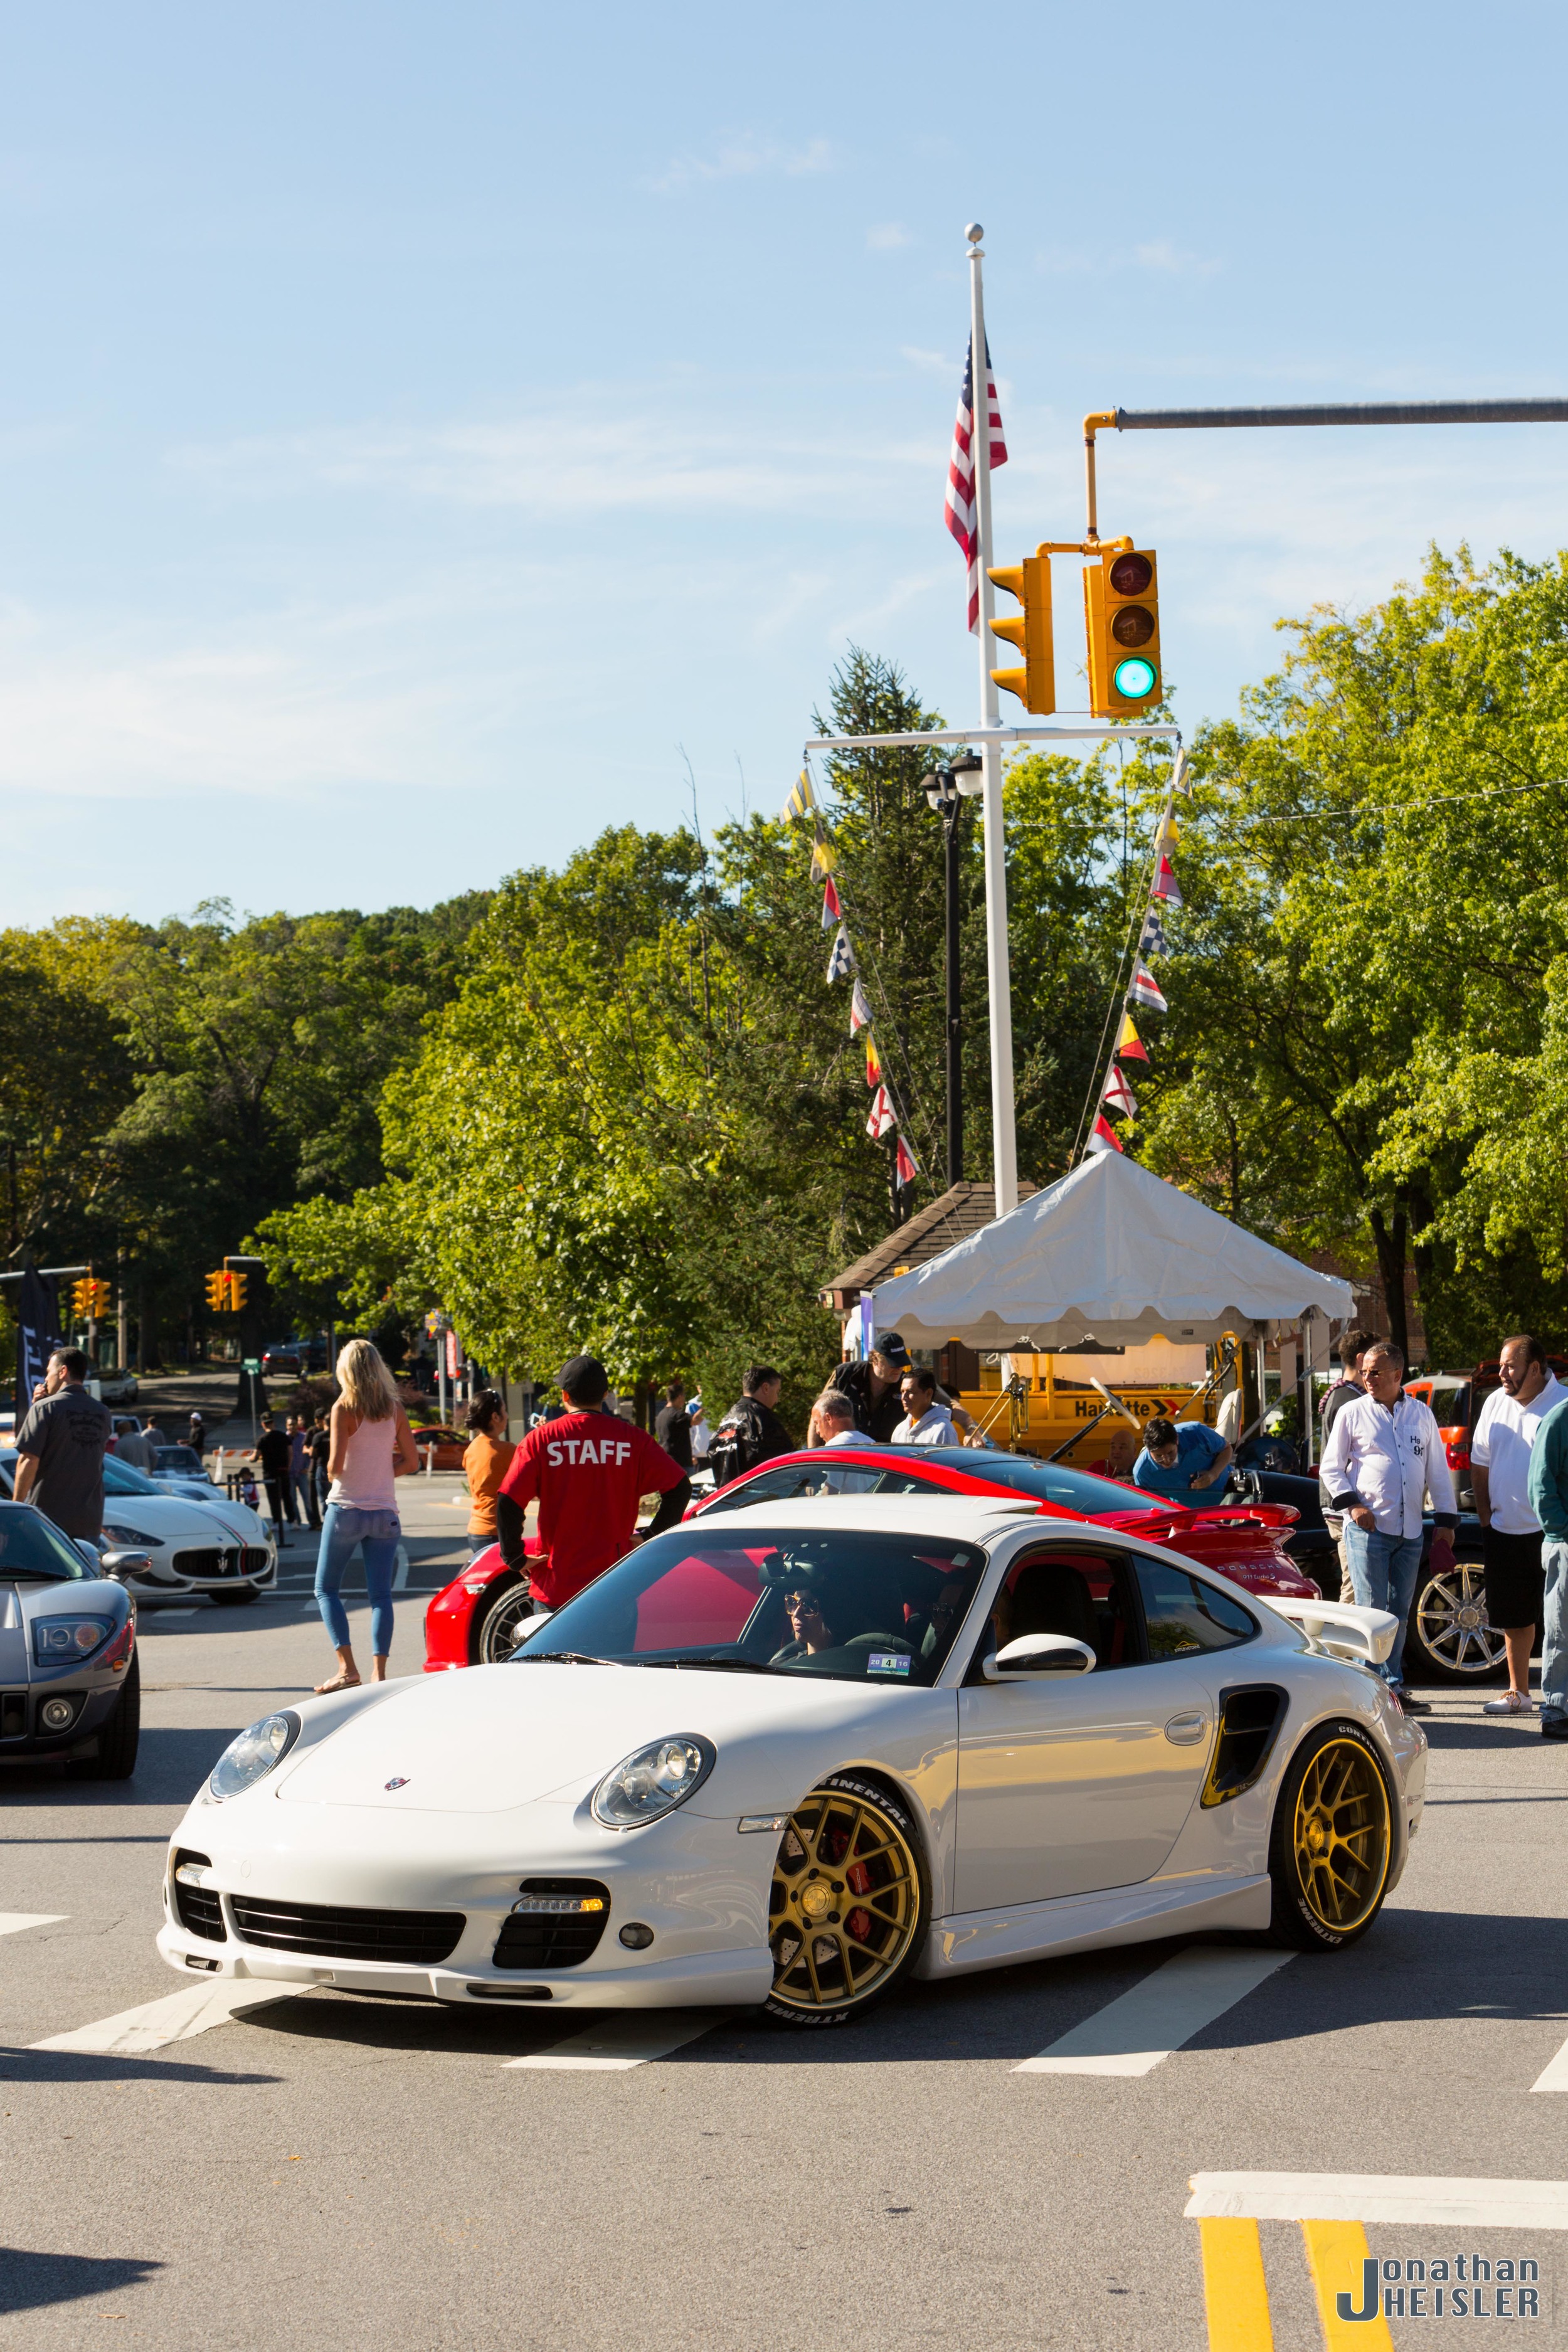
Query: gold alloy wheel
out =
(1341, 1835)
(845, 1906)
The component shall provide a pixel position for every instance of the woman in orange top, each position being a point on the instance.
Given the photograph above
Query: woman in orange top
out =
(485, 1465)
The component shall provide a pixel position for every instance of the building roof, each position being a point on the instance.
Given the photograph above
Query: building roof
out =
(951, 1217)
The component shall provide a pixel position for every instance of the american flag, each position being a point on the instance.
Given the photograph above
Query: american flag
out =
(963, 518)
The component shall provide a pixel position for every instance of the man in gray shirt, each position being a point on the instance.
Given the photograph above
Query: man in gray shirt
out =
(60, 1447)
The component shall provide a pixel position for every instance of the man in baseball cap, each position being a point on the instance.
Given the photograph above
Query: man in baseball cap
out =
(588, 1470)
(873, 1385)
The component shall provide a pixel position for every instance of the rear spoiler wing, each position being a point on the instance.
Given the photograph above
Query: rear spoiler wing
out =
(1342, 1628)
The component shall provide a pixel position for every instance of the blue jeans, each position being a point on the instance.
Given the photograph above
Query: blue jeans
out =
(1383, 1569)
(1554, 1628)
(376, 1534)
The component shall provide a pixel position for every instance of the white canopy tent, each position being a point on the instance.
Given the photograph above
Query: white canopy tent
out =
(1111, 1254)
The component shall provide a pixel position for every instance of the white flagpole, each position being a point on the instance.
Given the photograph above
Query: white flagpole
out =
(1003, 1140)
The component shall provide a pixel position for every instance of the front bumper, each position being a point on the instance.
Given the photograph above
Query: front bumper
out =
(688, 1983)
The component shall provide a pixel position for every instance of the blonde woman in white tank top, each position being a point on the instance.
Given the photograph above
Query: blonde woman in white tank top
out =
(372, 1444)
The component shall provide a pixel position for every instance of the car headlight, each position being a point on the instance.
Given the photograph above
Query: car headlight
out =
(57, 1640)
(256, 1752)
(128, 1538)
(653, 1781)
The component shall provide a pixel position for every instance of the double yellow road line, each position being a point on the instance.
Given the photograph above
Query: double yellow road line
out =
(1236, 2293)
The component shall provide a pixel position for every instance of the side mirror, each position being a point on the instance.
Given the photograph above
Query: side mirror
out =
(1034, 1655)
(121, 1564)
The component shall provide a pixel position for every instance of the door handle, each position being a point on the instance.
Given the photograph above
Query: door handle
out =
(1187, 1730)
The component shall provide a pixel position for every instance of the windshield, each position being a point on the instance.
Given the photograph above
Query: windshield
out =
(30, 1546)
(183, 1460)
(858, 1606)
(1050, 1482)
(122, 1479)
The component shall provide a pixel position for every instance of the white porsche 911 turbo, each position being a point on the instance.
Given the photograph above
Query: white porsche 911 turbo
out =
(800, 1752)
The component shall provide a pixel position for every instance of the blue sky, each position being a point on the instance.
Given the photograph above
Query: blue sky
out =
(418, 423)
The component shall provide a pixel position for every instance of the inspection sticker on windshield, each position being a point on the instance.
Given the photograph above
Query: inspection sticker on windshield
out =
(889, 1662)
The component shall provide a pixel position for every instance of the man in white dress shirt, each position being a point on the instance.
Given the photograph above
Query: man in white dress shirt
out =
(1500, 1459)
(1385, 1454)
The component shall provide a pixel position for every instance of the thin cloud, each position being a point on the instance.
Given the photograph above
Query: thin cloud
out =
(888, 237)
(744, 158)
(929, 362)
(1173, 260)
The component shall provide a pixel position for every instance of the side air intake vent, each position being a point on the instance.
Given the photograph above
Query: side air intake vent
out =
(1250, 1724)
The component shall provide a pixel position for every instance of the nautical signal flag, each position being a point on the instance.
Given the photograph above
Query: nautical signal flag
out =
(873, 1063)
(1165, 884)
(1117, 1094)
(802, 800)
(859, 1011)
(841, 962)
(906, 1167)
(1145, 990)
(1128, 1045)
(1152, 938)
(824, 857)
(1103, 1137)
(831, 911)
(882, 1120)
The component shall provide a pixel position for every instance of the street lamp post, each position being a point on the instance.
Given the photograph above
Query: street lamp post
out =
(946, 789)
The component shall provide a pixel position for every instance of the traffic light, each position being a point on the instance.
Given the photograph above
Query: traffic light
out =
(218, 1292)
(97, 1296)
(1121, 611)
(237, 1283)
(81, 1299)
(1030, 630)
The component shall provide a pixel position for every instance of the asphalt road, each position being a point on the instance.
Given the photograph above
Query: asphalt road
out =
(334, 2171)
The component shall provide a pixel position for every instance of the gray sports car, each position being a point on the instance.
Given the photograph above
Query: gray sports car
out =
(69, 1688)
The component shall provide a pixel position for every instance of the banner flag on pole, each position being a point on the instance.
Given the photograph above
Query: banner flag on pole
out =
(802, 801)
(873, 1062)
(859, 1011)
(1129, 1046)
(882, 1121)
(831, 910)
(906, 1165)
(1152, 938)
(1145, 990)
(1118, 1095)
(841, 962)
(958, 506)
(1103, 1135)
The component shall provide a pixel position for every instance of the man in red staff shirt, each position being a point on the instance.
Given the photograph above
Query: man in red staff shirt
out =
(588, 1470)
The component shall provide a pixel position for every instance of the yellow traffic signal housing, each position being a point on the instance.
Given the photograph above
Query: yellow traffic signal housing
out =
(1121, 615)
(1030, 630)
(218, 1292)
(81, 1299)
(237, 1283)
(98, 1294)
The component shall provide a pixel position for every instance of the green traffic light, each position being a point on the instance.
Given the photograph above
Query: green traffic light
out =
(1134, 679)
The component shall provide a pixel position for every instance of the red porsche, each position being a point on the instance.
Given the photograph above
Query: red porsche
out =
(479, 1617)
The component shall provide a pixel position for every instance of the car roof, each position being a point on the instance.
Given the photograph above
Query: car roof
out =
(978, 1515)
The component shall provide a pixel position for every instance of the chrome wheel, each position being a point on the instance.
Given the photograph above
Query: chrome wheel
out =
(505, 1624)
(846, 1906)
(1342, 1836)
(1453, 1627)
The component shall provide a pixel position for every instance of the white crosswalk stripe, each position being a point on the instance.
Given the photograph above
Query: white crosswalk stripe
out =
(13, 1922)
(617, 2044)
(1134, 2034)
(194, 2008)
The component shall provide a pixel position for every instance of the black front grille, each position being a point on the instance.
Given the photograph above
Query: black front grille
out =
(254, 1560)
(416, 1939)
(207, 1563)
(197, 1908)
(559, 1939)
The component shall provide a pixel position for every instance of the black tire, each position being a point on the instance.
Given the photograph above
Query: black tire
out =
(500, 1620)
(235, 1600)
(119, 1738)
(1335, 1794)
(1449, 1638)
(850, 1824)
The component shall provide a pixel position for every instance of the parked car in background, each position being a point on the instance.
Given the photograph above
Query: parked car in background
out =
(449, 1446)
(283, 1358)
(179, 1470)
(484, 1612)
(117, 1386)
(219, 1547)
(70, 1685)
